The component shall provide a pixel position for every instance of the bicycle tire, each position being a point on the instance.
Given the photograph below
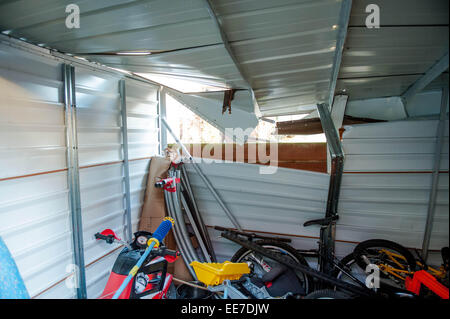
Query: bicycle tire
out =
(327, 294)
(360, 249)
(242, 252)
(349, 259)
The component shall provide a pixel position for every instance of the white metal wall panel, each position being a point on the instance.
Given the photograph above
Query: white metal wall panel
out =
(390, 206)
(143, 143)
(277, 203)
(32, 115)
(142, 119)
(386, 189)
(98, 117)
(393, 146)
(101, 161)
(34, 204)
(33, 174)
(393, 207)
(138, 184)
(101, 167)
(98, 273)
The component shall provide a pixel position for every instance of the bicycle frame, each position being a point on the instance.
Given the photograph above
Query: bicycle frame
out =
(396, 272)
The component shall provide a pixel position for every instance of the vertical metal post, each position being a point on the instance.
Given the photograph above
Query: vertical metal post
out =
(337, 116)
(73, 177)
(126, 167)
(161, 115)
(328, 229)
(435, 176)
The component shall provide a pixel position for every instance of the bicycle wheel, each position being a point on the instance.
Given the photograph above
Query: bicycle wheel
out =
(327, 294)
(257, 261)
(349, 265)
(394, 261)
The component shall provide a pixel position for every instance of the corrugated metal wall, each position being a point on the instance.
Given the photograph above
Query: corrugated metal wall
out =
(34, 203)
(101, 168)
(396, 146)
(142, 118)
(35, 218)
(278, 203)
(101, 162)
(392, 203)
(386, 198)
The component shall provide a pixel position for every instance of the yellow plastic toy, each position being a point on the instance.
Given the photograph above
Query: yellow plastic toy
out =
(212, 274)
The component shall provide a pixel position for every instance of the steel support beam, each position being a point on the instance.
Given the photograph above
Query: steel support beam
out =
(344, 18)
(161, 115)
(227, 45)
(337, 157)
(328, 229)
(73, 178)
(432, 73)
(435, 176)
(126, 166)
(337, 116)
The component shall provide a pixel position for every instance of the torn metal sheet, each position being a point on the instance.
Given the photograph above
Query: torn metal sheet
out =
(209, 107)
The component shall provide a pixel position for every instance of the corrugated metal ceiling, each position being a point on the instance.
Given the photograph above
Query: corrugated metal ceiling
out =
(285, 48)
(386, 61)
(111, 25)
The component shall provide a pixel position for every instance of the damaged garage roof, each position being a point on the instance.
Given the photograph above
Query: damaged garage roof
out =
(287, 51)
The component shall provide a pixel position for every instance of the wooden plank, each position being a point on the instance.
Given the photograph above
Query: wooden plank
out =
(304, 156)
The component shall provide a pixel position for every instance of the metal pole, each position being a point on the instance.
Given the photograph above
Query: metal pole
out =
(126, 167)
(204, 178)
(73, 178)
(180, 243)
(161, 115)
(328, 231)
(435, 176)
(436, 69)
(195, 229)
(179, 218)
(186, 185)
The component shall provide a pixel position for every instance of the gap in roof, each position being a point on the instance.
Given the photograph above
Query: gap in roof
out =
(182, 85)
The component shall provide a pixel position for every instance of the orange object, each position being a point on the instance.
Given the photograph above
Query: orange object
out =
(422, 277)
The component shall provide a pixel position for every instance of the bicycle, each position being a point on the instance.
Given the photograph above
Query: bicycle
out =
(280, 257)
(275, 276)
(400, 268)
